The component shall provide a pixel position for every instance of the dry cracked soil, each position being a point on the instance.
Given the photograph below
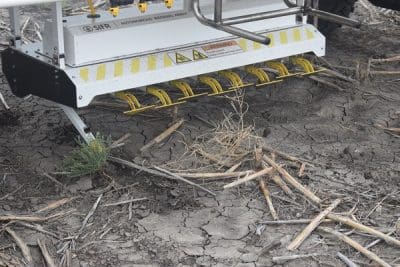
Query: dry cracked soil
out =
(334, 128)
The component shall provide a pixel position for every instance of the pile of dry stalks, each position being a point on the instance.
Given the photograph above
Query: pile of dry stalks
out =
(229, 144)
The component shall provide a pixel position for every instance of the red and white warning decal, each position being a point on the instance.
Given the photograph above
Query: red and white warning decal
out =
(204, 52)
(222, 49)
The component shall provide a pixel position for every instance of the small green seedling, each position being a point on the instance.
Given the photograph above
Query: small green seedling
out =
(88, 158)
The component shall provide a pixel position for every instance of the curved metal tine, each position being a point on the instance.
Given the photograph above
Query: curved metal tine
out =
(234, 79)
(214, 85)
(133, 102)
(162, 96)
(186, 90)
(306, 66)
(262, 77)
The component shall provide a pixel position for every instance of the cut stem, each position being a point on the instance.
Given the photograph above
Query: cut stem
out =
(296, 243)
(291, 180)
(370, 255)
(267, 195)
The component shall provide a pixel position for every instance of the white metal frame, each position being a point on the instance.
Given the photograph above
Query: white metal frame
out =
(87, 90)
(78, 123)
(178, 30)
(55, 36)
(15, 26)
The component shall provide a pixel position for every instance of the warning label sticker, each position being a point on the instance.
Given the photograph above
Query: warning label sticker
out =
(206, 52)
(222, 49)
(189, 55)
(197, 55)
(180, 58)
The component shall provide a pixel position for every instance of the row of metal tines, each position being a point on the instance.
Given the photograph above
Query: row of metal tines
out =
(222, 82)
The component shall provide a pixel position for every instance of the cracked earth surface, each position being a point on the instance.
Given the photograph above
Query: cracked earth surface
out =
(179, 226)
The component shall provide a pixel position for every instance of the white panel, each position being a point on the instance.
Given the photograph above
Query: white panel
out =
(89, 86)
(108, 39)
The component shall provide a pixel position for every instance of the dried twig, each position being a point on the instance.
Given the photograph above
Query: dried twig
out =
(364, 228)
(56, 204)
(21, 244)
(283, 222)
(377, 241)
(163, 135)
(379, 204)
(234, 167)
(209, 123)
(68, 258)
(54, 180)
(129, 201)
(30, 218)
(346, 260)
(130, 212)
(390, 129)
(376, 72)
(211, 157)
(26, 218)
(165, 173)
(296, 243)
(286, 156)
(383, 60)
(258, 153)
(290, 179)
(105, 232)
(282, 259)
(301, 170)
(267, 195)
(278, 180)
(325, 82)
(60, 214)
(90, 214)
(38, 228)
(177, 177)
(49, 260)
(356, 246)
(120, 141)
(339, 75)
(250, 177)
(215, 175)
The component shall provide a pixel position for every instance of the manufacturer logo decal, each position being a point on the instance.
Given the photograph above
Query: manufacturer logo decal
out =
(97, 28)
